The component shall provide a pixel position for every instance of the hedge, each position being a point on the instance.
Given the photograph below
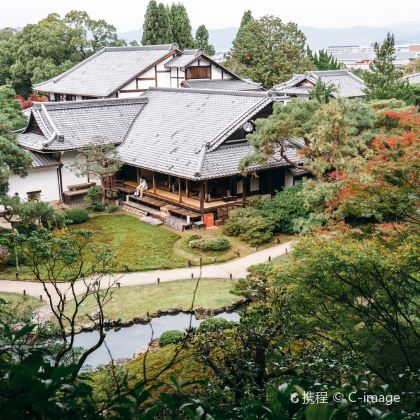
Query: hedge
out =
(210, 244)
(76, 215)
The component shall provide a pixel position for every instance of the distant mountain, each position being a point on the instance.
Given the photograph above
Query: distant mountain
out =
(318, 38)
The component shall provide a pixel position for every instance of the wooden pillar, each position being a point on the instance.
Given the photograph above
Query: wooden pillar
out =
(179, 190)
(154, 182)
(169, 184)
(187, 187)
(243, 188)
(206, 190)
(201, 197)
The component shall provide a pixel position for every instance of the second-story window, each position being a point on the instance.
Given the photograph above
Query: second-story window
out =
(70, 97)
(198, 72)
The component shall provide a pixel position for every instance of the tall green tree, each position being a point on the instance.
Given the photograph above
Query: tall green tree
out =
(384, 80)
(269, 51)
(202, 40)
(43, 50)
(246, 18)
(181, 26)
(157, 26)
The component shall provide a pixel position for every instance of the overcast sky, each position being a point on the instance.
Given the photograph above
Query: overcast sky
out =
(128, 14)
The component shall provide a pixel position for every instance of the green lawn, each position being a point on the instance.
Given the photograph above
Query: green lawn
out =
(138, 245)
(133, 301)
(19, 304)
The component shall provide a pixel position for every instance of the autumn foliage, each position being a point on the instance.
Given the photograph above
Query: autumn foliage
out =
(386, 188)
(33, 97)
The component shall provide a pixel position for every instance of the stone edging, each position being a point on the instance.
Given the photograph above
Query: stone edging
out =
(200, 313)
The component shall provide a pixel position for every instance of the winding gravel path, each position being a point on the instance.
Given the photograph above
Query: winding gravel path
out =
(237, 268)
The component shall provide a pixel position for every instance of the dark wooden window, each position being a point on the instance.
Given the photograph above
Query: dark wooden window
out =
(70, 97)
(198, 72)
(58, 97)
(86, 98)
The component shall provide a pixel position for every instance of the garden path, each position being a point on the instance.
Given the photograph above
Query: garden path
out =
(237, 268)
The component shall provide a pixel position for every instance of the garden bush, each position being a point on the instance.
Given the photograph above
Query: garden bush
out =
(112, 208)
(97, 206)
(76, 215)
(284, 208)
(215, 324)
(210, 244)
(194, 237)
(94, 195)
(170, 337)
(249, 224)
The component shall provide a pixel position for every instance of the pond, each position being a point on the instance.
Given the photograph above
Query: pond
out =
(127, 341)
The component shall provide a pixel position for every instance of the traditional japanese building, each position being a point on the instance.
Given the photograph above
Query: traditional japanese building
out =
(186, 143)
(346, 84)
(121, 72)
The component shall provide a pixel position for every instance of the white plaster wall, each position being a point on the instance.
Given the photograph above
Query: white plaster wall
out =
(164, 79)
(145, 84)
(216, 72)
(129, 94)
(43, 179)
(288, 178)
(69, 178)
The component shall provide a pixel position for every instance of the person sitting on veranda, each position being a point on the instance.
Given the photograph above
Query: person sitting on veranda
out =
(141, 188)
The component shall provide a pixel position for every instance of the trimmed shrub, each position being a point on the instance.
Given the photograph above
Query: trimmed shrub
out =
(210, 244)
(194, 237)
(97, 207)
(215, 324)
(76, 215)
(170, 337)
(112, 208)
(249, 224)
(94, 195)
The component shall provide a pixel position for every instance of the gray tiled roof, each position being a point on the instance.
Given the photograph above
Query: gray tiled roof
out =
(74, 124)
(187, 57)
(178, 128)
(346, 84)
(412, 78)
(223, 84)
(41, 160)
(224, 160)
(298, 171)
(106, 71)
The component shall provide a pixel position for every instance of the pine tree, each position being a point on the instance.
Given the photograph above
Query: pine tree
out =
(322, 60)
(156, 27)
(202, 40)
(181, 27)
(384, 80)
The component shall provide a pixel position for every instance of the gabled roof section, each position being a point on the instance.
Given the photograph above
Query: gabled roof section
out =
(41, 160)
(347, 85)
(223, 84)
(183, 60)
(59, 126)
(178, 128)
(107, 71)
(189, 57)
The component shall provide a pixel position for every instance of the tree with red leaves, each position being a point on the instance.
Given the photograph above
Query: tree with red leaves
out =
(387, 187)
